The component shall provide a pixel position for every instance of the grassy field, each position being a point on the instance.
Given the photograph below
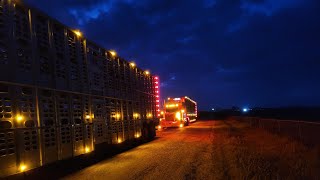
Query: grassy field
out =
(242, 152)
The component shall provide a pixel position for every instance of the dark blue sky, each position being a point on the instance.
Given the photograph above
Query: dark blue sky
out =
(218, 52)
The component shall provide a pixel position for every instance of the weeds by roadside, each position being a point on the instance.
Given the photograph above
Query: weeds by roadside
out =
(248, 153)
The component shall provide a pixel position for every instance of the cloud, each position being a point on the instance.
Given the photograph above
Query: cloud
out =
(84, 15)
(237, 25)
(268, 7)
(209, 3)
(185, 40)
(228, 52)
(168, 81)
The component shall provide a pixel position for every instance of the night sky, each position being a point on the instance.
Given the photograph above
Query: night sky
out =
(221, 53)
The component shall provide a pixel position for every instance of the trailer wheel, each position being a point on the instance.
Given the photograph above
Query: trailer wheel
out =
(187, 122)
(149, 130)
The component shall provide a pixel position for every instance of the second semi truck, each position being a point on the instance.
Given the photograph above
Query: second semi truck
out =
(178, 112)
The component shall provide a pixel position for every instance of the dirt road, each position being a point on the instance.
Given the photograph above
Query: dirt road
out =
(210, 150)
(182, 153)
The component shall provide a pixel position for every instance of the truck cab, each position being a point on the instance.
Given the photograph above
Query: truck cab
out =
(178, 112)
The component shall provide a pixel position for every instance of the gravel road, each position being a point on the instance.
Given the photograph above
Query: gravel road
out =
(180, 153)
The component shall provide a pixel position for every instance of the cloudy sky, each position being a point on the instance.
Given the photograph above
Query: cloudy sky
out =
(221, 53)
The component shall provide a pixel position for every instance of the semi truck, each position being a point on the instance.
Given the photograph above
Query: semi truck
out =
(178, 112)
(62, 95)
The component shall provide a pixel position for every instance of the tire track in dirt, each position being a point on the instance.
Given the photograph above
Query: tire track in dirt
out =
(143, 173)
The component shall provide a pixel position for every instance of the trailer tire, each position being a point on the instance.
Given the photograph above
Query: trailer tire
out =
(187, 122)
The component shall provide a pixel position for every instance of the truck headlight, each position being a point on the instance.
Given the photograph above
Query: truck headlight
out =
(178, 115)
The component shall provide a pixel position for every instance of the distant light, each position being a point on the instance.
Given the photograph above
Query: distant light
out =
(168, 98)
(88, 116)
(159, 127)
(212, 109)
(118, 116)
(245, 110)
(113, 53)
(119, 141)
(177, 99)
(181, 125)
(78, 33)
(149, 115)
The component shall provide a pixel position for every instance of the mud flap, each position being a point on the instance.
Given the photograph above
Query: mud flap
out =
(149, 130)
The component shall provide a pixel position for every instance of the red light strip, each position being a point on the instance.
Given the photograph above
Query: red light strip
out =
(157, 94)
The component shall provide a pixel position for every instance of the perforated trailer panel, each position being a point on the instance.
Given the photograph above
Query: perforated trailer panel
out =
(62, 95)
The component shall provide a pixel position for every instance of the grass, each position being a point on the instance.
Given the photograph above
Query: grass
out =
(242, 152)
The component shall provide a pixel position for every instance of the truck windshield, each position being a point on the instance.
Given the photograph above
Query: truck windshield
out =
(170, 110)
